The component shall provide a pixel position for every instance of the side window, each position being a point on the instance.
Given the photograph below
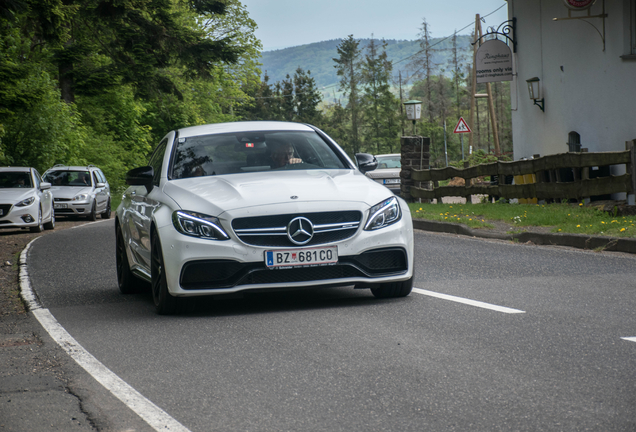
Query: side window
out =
(95, 178)
(101, 176)
(156, 161)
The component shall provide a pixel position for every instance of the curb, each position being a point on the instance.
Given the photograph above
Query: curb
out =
(579, 241)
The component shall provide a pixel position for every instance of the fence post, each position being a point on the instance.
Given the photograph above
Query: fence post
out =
(585, 175)
(631, 170)
(467, 184)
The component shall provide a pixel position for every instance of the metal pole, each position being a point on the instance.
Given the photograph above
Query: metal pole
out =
(461, 138)
(445, 148)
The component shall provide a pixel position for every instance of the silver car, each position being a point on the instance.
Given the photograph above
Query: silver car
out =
(246, 206)
(25, 201)
(79, 191)
(388, 171)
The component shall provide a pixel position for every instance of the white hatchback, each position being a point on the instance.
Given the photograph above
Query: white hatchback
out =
(25, 201)
(246, 206)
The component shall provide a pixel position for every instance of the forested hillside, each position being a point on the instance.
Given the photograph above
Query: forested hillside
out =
(318, 58)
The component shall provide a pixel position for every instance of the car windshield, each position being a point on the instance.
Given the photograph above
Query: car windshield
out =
(10, 179)
(68, 178)
(236, 153)
(387, 162)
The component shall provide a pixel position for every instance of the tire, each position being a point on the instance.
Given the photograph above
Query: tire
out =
(50, 224)
(393, 289)
(125, 278)
(106, 214)
(92, 216)
(40, 227)
(165, 303)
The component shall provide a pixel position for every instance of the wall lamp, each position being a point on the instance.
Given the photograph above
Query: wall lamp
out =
(534, 88)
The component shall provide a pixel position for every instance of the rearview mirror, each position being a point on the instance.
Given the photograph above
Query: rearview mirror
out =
(141, 176)
(366, 162)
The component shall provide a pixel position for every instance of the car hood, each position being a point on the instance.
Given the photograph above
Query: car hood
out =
(69, 191)
(15, 195)
(216, 194)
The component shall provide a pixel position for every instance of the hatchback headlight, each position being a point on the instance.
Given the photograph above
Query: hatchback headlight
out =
(26, 202)
(198, 225)
(383, 214)
(80, 197)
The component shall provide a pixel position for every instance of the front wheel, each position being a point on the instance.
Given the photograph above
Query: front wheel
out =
(393, 289)
(50, 224)
(125, 278)
(39, 228)
(106, 214)
(165, 303)
(92, 216)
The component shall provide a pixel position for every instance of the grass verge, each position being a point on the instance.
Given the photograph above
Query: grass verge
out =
(562, 218)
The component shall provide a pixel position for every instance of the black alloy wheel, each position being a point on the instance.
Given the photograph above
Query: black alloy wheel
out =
(165, 303)
(393, 289)
(125, 278)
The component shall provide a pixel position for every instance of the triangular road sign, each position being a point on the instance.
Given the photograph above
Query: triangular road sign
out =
(462, 127)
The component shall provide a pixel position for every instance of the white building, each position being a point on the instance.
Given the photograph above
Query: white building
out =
(587, 73)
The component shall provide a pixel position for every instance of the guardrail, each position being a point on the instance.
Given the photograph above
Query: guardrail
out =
(547, 173)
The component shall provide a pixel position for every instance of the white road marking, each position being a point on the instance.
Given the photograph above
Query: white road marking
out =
(157, 418)
(631, 339)
(468, 301)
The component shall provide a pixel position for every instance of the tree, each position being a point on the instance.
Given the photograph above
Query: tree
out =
(379, 104)
(306, 97)
(348, 68)
(424, 66)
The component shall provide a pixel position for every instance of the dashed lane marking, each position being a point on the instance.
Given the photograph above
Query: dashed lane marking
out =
(468, 301)
(631, 339)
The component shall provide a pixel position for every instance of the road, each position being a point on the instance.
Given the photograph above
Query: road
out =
(337, 359)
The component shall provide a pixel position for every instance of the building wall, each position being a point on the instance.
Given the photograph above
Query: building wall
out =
(586, 89)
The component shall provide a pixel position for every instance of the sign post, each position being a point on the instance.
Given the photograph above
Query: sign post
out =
(461, 129)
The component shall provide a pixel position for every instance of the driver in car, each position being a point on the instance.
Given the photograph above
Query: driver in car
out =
(282, 153)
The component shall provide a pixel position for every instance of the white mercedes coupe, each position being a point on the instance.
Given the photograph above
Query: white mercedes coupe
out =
(245, 206)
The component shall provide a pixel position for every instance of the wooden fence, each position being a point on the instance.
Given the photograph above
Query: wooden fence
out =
(546, 170)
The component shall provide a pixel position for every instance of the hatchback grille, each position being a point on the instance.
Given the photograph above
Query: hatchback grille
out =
(272, 230)
(216, 274)
(62, 199)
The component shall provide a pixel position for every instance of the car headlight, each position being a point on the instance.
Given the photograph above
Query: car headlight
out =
(25, 202)
(383, 214)
(198, 225)
(80, 197)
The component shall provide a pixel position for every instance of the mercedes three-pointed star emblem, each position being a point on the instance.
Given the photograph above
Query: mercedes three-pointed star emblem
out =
(300, 230)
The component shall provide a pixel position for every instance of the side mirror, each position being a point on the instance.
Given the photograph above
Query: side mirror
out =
(366, 162)
(141, 176)
(100, 185)
(45, 186)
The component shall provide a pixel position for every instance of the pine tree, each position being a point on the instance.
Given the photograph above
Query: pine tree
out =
(348, 68)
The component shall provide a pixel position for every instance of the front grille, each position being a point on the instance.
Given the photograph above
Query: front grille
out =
(62, 199)
(64, 211)
(215, 274)
(271, 231)
(6, 209)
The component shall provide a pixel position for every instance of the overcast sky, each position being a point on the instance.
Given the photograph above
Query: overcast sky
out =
(285, 23)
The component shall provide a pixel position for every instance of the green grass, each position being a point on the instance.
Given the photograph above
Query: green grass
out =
(562, 218)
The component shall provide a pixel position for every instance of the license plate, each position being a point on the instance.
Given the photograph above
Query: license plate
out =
(392, 181)
(60, 206)
(308, 257)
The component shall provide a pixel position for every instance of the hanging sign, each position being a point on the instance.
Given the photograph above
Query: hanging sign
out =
(462, 127)
(579, 4)
(493, 62)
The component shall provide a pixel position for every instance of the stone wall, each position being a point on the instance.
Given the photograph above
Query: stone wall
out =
(415, 155)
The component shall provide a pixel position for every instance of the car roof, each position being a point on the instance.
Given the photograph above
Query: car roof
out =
(71, 168)
(246, 126)
(15, 169)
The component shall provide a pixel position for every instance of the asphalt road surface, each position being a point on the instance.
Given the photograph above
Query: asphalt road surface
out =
(497, 337)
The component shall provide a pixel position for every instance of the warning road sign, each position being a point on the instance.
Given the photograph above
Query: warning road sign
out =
(462, 127)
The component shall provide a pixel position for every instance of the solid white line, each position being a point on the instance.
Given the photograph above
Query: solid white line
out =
(157, 418)
(631, 339)
(468, 301)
